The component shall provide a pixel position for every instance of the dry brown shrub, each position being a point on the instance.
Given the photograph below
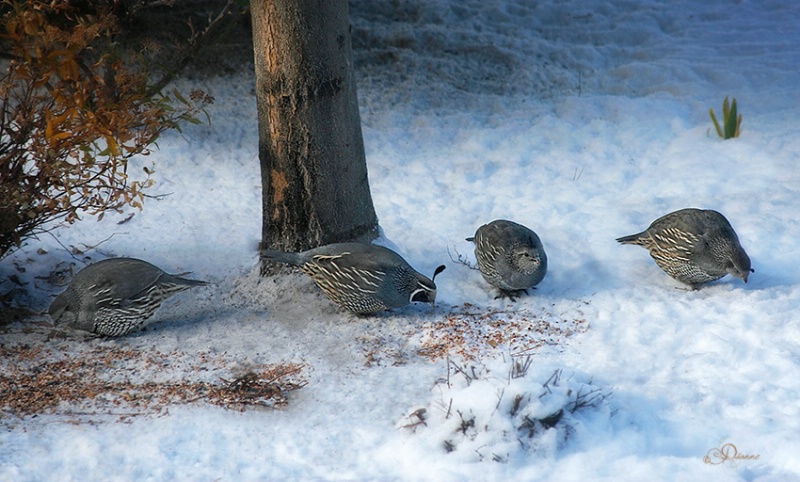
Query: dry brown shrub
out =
(73, 112)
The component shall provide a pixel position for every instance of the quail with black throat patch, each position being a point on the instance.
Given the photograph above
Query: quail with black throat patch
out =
(361, 278)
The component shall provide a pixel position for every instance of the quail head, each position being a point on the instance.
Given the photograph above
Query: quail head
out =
(362, 278)
(510, 256)
(115, 296)
(694, 246)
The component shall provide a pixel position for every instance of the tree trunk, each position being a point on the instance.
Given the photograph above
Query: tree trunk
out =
(313, 167)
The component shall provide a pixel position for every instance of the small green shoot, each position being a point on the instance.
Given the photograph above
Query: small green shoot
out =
(731, 120)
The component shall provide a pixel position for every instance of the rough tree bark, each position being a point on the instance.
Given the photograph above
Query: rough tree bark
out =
(313, 166)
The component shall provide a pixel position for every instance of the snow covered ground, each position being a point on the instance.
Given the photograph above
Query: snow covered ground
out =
(584, 121)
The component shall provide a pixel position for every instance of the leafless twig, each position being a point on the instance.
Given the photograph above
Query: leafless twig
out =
(460, 258)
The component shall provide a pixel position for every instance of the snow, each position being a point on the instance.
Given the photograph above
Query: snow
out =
(583, 121)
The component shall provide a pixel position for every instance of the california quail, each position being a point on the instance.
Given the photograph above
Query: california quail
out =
(362, 278)
(694, 246)
(115, 296)
(510, 256)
